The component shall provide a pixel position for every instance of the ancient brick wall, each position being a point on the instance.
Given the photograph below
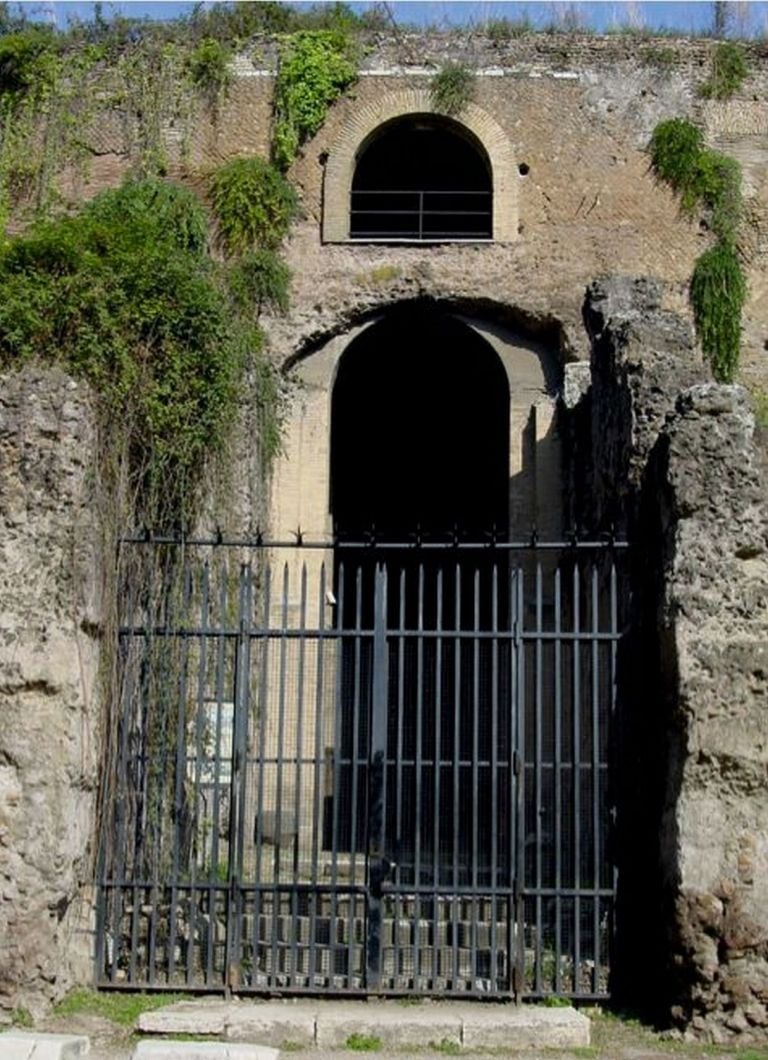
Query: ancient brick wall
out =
(578, 111)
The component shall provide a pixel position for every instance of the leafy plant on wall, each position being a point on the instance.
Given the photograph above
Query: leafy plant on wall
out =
(452, 89)
(315, 68)
(709, 182)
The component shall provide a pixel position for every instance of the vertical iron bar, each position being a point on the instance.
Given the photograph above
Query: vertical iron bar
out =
(336, 799)
(300, 757)
(418, 769)
(195, 823)
(519, 792)
(121, 804)
(213, 863)
(378, 755)
(456, 775)
(558, 788)
(258, 837)
(577, 883)
(277, 813)
(436, 822)
(475, 791)
(237, 786)
(401, 648)
(318, 773)
(179, 817)
(494, 766)
(614, 714)
(356, 760)
(538, 768)
(596, 785)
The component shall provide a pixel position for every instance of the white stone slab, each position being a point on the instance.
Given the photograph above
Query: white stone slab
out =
(33, 1045)
(187, 1017)
(274, 1022)
(395, 1026)
(170, 1050)
(527, 1027)
(330, 1024)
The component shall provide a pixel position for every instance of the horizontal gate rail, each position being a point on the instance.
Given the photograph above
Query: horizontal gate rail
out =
(418, 543)
(363, 765)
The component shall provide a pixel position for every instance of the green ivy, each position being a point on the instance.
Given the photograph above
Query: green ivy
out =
(126, 296)
(253, 203)
(452, 89)
(729, 70)
(315, 68)
(711, 182)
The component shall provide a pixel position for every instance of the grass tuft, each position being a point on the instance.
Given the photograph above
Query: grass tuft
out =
(363, 1043)
(118, 1007)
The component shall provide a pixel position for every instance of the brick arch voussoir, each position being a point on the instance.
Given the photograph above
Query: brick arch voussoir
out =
(340, 167)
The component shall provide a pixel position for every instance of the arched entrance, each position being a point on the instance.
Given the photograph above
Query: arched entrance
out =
(386, 773)
(420, 431)
(422, 177)
(422, 773)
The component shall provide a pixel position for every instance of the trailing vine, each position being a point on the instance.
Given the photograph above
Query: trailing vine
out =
(315, 68)
(710, 182)
(125, 295)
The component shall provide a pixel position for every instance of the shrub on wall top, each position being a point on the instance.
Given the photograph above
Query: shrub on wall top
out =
(729, 69)
(452, 88)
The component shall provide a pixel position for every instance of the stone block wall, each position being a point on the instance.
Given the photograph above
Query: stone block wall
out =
(49, 734)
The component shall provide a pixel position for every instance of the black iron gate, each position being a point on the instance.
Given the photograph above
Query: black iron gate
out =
(378, 769)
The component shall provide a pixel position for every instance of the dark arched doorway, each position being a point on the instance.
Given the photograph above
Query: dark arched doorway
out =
(424, 178)
(420, 431)
(419, 458)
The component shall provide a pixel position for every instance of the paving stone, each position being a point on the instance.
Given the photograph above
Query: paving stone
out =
(33, 1045)
(525, 1027)
(273, 1022)
(170, 1050)
(187, 1017)
(270, 1022)
(394, 1025)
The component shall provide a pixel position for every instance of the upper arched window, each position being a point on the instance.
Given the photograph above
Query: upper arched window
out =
(421, 178)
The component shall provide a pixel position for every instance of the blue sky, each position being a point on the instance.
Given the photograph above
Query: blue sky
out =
(747, 18)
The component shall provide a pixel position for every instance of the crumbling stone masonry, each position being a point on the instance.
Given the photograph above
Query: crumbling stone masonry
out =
(48, 692)
(692, 940)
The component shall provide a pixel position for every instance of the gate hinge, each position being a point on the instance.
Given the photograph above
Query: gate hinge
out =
(516, 763)
(516, 891)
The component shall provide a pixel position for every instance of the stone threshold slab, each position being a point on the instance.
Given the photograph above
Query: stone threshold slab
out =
(34, 1045)
(330, 1024)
